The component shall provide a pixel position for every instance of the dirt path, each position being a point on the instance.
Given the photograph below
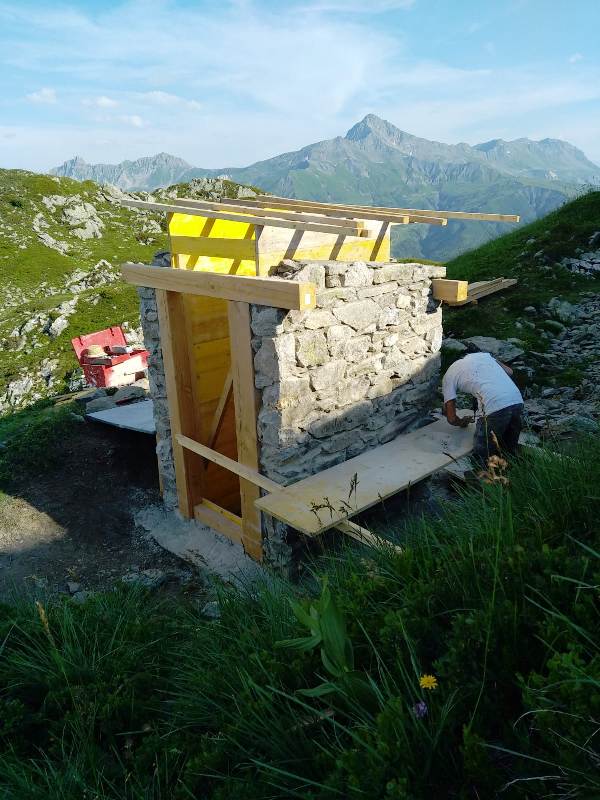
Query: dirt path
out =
(75, 524)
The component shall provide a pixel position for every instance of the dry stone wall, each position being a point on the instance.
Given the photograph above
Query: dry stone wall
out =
(349, 375)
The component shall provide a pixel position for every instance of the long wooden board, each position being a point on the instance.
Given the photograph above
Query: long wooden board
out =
(243, 288)
(380, 473)
(480, 289)
(337, 210)
(421, 212)
(273, 221)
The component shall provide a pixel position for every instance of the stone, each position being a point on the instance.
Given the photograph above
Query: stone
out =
(145, 579)
(503, 350)
(530, 310)
(328, 375)
(287, 393)
(273, 355)
(347, 348)
(100, 404)
(128, 393)
(377, 291)
(352, 390)
(211, 610)
(562, 310)
(73, 587)
(380, 388)
(354, 274)
(319, 318)
(453, 346)
(358, 315)
(57, 327)
(393, 272)
(81, 596)
(311, 348)
(326, 298)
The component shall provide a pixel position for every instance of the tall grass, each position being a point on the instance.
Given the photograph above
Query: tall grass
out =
(132, 697)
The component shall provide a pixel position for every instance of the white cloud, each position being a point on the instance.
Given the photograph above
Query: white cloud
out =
(160, 98)
(100, 102)
(356, 6)
(45, 96)
(575, 58)
(132, 119)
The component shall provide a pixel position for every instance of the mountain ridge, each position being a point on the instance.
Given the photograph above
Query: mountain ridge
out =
(376, 163)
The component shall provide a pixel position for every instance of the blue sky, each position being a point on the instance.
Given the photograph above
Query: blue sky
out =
(228, 83)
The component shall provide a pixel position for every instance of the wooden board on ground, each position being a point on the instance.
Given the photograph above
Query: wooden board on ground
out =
(322, 501)
(480, 289)
(131, 417)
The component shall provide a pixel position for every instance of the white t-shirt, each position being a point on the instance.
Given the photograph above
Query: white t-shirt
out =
(480, 374)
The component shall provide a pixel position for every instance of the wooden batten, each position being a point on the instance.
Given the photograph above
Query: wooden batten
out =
(449, 290)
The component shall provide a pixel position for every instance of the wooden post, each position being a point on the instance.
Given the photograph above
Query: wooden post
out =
(180, 396)
(244, 395)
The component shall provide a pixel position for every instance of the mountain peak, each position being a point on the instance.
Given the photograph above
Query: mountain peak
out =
(372, 124)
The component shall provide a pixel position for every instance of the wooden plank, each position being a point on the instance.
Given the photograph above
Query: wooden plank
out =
(219, 519)
(244, 288)
(448, 290)
(251, 475)
(484, 289)
(213, 247)
(246, 413)
(262, 211)
(178, 379)
(421, 212)
(365, 536)
(338, 210)
(274, 221)
(218, 416)
(323, 500)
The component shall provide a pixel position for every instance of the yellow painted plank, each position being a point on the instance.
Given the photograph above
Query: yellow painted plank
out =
(320, 502)
(449, 290)
(213, 247)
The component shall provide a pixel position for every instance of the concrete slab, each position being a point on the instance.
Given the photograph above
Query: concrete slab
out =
(131, 417)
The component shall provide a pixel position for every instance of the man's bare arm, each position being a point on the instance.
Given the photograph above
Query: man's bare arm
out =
(452, 417)
(505, 367)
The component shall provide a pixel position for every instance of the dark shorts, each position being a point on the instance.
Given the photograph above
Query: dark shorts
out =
(497, 434)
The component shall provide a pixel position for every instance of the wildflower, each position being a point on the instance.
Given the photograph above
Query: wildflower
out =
(428, 682)
(44, 620)
(420, 709)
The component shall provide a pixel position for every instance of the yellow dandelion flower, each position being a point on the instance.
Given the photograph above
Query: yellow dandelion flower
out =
(428, 682)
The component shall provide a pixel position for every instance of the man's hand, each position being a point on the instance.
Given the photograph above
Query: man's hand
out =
(453, 419)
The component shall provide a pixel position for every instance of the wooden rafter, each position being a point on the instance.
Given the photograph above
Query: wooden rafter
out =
(416, 213)
(275, 292)
(344, 220)
(336, 210)
(273, 221)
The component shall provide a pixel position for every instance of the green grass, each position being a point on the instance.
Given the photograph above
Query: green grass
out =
(133, 696)
(557, 235)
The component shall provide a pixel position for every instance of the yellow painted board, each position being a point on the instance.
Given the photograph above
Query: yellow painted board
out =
(240, 234)
(449, 290)
(213, 247)
(380, 472)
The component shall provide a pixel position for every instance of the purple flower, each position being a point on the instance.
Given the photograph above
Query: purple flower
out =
(420, 709)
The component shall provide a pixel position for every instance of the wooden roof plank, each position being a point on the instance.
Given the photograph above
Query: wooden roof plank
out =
(246, 288)
(275, 222)
(416, 212)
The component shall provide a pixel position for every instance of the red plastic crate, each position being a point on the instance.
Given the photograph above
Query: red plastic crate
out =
(120, 370)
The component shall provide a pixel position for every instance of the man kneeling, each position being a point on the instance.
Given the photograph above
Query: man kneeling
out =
(499, 404)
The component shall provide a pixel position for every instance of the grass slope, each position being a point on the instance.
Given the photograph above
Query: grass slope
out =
(130, 696)
(34, 277)
(530, 254)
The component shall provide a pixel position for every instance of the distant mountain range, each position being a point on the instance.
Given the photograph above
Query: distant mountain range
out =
(379, 164)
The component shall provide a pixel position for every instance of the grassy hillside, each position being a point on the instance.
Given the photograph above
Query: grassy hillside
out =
(532, 255)
(465, 667)
(45, 263)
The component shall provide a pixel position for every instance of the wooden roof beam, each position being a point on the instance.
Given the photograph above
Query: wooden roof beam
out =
(246, 288)
(391, 215)
(262, 211)
(417, 212)
(274, 222)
